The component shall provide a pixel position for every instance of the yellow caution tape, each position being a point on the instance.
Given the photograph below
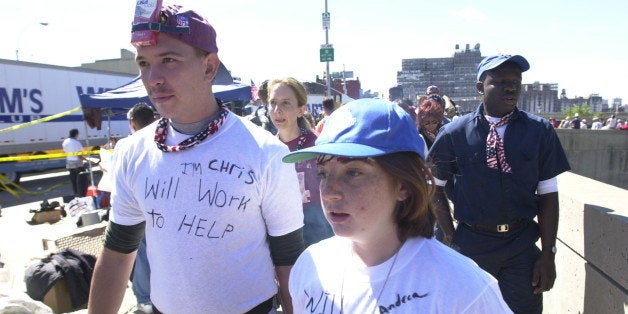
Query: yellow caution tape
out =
(47, 156)
(56, 116)
(15, 189)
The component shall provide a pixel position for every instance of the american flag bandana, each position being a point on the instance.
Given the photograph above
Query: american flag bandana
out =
(162, 132)
(495, 154)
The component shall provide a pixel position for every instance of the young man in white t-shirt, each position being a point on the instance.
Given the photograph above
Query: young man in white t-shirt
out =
(221, 213)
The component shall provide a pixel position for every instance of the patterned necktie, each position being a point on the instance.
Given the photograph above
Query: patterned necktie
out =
(162, 132)
(495, 154)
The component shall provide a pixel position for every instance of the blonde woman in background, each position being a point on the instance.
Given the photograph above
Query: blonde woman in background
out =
(287, 103)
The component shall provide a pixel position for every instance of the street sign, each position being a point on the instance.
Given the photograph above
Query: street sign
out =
(326, 20)
(327, 54)
(347, 74)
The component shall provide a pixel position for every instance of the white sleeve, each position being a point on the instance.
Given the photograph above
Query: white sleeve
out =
(547, 186)
(282, 208)
(125, 209)
(489, 301)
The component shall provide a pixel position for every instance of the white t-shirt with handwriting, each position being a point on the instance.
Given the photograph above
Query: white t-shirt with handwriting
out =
(208, 211)
(428, 277)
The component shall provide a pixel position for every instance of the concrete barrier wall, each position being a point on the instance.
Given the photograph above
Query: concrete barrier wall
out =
(598, 154)
(592, 257)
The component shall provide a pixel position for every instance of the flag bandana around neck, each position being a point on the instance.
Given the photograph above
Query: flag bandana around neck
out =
(161, 133)
(495, 153)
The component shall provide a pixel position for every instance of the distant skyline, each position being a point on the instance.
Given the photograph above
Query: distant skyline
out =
(580, 45)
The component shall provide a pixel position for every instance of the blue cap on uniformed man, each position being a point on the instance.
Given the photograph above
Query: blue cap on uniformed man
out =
(492, 62)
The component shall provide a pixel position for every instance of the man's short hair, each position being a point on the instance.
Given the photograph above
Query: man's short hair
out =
(142, 114)
(432, 89)
(262, 91)
(74, 132)
(329, 104)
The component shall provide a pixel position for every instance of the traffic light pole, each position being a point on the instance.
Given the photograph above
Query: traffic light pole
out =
(328, 78)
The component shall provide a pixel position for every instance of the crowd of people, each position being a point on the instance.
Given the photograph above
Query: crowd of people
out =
(596, 123)
(349, 212)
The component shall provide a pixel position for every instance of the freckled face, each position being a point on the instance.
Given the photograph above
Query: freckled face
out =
(359, 198)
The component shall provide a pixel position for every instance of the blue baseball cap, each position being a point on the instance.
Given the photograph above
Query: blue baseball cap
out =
(492, 62)
(364, 128)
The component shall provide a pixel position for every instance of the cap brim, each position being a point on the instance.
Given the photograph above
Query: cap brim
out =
(352, 150)
(223, 77)
(521, 61)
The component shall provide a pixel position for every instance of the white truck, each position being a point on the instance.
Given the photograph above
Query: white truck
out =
(32, 91)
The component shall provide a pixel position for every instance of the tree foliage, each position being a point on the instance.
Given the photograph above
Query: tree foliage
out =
(582, 110)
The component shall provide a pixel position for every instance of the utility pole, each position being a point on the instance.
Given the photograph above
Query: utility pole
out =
(344, 79)
(328, 78)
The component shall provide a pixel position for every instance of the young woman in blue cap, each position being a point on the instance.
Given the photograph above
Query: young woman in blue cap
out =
(375, 191)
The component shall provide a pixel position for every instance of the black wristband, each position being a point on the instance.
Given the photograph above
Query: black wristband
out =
(124, 239)
(285, 249)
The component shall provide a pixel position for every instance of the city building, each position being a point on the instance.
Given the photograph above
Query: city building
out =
(352, 88)
(539, 98)
(595, 102)
(370, 94)
(455, 76)
(616, 105)
(125, 64)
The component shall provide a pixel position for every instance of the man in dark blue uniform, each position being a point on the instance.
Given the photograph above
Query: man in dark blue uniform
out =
(504, 163)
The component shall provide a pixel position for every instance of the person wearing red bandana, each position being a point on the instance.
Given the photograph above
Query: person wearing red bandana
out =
(503, 163)
(221, 213)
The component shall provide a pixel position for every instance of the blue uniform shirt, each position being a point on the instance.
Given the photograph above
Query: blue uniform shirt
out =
(488, 196)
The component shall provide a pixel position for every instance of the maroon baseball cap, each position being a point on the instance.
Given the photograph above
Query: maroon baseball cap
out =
(190, 28)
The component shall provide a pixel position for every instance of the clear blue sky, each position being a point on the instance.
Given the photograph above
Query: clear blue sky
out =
(581, 45)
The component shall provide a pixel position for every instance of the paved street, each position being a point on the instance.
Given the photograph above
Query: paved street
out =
(20, 242)
(36, 184)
